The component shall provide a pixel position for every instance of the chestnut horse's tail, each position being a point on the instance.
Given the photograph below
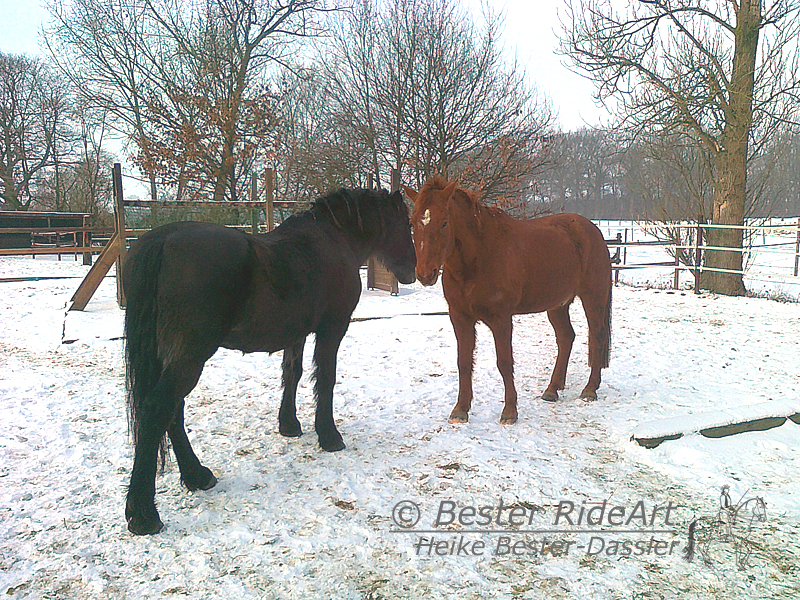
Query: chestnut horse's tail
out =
(605, 340)
(142, 363)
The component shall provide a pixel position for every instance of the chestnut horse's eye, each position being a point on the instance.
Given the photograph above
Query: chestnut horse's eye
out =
(444, 224)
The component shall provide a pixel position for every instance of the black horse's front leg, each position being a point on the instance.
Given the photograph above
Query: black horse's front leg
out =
(329, 336)
(288, 425)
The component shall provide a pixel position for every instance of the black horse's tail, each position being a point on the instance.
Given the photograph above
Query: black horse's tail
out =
(688, 552)
(142, 364)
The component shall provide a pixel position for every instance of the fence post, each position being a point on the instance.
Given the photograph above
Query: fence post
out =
(86, 242)
(797, 249)
(395, 187)
(269, 192)
(253, 198)
(122, 238)
(625, 248)
(698, 241)
(616, 271)
(371, 262)
(676, 280)
(375, 270)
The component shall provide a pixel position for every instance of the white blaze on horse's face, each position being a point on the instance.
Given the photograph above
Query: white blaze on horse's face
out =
(426, 217)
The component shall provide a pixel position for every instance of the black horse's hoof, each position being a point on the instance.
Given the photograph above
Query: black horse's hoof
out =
(332, 443)
(143, 521)
(290, 429)
(142, 526)
(202, 480)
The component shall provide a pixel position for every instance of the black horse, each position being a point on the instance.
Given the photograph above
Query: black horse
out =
(193, 287)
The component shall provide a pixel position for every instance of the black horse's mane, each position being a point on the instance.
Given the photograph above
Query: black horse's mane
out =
(342, 208)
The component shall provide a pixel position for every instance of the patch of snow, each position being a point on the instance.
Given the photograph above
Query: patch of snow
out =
(288, 520)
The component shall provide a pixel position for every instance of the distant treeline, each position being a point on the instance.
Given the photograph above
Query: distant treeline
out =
(596, 174)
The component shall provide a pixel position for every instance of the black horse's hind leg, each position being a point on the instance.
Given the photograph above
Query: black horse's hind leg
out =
(140, 508)
(329, 337)
(193, 475)
(288, 425)
(156, 415)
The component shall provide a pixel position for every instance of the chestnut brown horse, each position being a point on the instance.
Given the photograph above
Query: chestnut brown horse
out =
(495, 266)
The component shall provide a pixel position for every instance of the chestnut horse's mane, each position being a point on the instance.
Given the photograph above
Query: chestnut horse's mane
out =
(439, 182)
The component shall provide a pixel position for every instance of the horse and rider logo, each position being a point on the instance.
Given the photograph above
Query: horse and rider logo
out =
(731, 525)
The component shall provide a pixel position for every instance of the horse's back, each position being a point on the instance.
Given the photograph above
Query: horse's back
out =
(584, 237)
(545, 262)
(196, 274)
(579, 229)
(202, 259)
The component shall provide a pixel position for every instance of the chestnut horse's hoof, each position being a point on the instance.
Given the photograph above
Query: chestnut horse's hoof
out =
(588, 396)
(550, 396)
(458, 417)
(508, 420)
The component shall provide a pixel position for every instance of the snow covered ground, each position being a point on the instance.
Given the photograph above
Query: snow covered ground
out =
(288, 520)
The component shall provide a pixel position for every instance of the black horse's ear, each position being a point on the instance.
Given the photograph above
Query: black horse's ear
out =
(397, 199)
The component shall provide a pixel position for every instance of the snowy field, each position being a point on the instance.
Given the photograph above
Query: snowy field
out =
(288, 520)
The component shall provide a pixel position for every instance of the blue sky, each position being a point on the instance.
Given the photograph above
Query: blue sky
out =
(530, 33)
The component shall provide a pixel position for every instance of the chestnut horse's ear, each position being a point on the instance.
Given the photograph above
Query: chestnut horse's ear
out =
(449, 189)
(410, 193)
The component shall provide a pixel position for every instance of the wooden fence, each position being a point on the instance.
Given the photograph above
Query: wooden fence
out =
(85, 240)
(116, 247)
(43, 233)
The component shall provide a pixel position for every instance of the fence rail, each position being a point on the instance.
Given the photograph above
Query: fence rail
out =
(698, 247)
(55, 230)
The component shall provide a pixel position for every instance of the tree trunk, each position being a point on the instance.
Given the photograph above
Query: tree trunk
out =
(729, 196)
(730, 188)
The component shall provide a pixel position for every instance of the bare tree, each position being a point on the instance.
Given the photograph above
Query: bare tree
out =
(81, 180)
(720, 72)
(429, 91)
(187, 83)
(109, 50)
(317, 148)
(33, 113)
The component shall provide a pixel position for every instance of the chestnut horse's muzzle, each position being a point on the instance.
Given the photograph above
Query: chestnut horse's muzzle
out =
(428, 278)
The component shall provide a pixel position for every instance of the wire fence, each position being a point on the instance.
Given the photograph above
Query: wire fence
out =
(771, 252)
